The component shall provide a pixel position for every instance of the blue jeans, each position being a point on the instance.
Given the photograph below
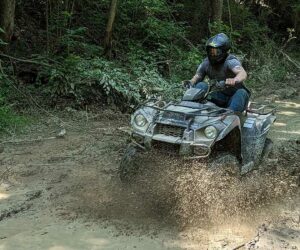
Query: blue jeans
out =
(237, 102)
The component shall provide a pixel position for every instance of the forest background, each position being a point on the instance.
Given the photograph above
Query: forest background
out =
(110, 52)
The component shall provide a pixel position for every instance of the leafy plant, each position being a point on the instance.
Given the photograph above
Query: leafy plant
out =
(9, 120)
(84, 79)
(1, 41)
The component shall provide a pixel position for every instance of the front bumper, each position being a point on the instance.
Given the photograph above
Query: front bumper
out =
(173, 146)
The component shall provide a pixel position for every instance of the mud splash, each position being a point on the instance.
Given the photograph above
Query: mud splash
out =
(208, 196)
(173, 192)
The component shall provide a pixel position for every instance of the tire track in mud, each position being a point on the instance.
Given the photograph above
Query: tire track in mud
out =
(18, 204)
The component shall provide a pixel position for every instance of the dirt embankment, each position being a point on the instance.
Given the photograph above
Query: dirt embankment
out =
(63, 192)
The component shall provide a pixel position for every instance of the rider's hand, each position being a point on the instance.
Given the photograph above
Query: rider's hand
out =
(230, 81)
(187, 83)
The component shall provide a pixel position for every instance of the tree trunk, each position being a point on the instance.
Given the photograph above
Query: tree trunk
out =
(199, 21)
(7, 17)
(195, 13)
(109, 28)
(216, 10)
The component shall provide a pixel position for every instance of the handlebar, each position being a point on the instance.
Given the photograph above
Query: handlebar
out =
(187, 84)
(219, 84)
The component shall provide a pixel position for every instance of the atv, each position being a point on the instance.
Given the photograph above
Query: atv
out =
(195, 128)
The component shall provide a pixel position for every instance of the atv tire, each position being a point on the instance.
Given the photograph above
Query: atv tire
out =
(267, 149)
(225, 161)
(129, 164)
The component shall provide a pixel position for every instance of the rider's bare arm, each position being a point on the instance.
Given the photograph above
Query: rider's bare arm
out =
(200, 73)
(197, 78)
(240, 76)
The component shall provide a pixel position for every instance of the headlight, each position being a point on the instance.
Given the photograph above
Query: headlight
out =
(140, 120)
(210, 132)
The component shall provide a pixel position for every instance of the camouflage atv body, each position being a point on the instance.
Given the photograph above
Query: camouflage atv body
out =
(195, 128)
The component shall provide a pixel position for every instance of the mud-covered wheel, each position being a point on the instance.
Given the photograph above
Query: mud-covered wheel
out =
(225, 161)
(129, 164)
(268, 147)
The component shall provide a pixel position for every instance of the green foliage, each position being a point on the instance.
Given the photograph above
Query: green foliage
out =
(156, 44)
(149, 23)
(9, 120)
(221, 27)
(267, 66)
(149, 54)
(1, 41)
(186, 63)
(98, 78)
(173, 62)
(254, 41)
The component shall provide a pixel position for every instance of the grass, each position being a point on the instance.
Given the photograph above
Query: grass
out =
(10, 122)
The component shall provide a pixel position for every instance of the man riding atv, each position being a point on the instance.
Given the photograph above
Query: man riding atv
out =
(208, 122)
(222, 66)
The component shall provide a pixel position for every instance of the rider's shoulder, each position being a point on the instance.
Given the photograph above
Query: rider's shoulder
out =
(232, 61)
(204, 64)
(232, 57)
(205, 61)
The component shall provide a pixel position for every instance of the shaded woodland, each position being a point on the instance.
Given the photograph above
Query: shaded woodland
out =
(121, 52)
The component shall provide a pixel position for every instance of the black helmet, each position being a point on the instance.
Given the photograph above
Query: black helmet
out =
(217, 48)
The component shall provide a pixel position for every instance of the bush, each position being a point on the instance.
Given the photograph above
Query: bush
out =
(9, 120)
(102, 80)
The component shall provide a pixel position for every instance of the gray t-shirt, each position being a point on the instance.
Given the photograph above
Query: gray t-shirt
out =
(220, 72)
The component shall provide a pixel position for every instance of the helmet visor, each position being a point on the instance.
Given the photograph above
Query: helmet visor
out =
(214, 52)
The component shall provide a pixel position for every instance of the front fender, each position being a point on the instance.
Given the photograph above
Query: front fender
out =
(231, 122)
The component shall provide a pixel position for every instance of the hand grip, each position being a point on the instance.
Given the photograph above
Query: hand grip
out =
(187, 84)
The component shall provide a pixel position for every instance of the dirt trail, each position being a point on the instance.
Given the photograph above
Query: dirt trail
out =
(64, 193)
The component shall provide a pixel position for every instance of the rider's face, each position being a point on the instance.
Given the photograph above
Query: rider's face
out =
(214, 52)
